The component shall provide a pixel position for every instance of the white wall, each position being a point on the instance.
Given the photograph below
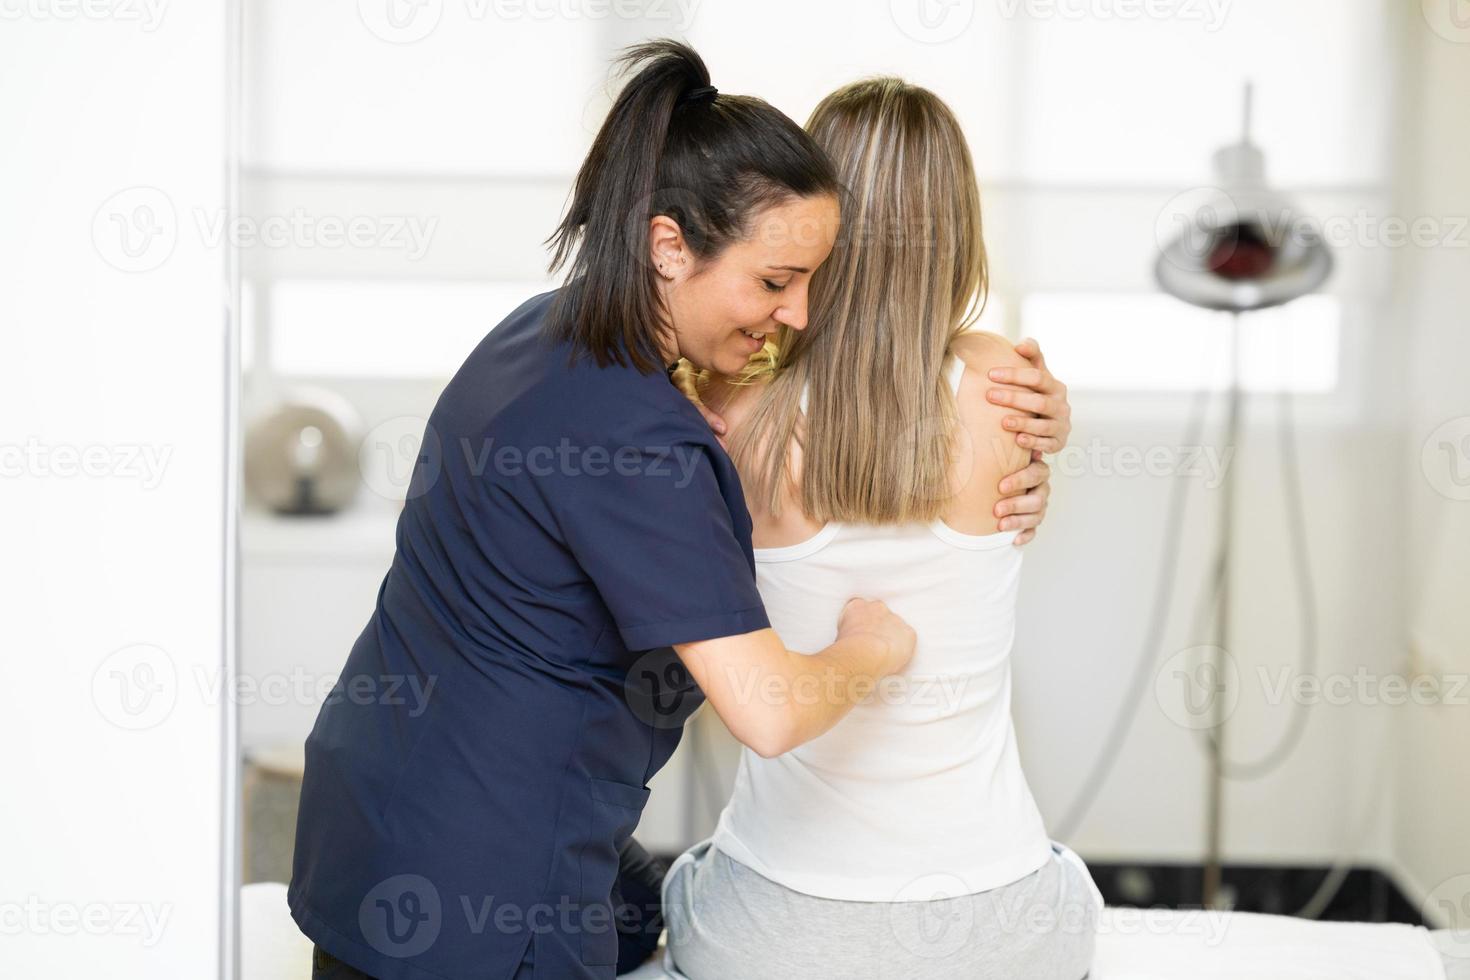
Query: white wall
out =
(1091, 576)
(1434, 781)
(113, 496)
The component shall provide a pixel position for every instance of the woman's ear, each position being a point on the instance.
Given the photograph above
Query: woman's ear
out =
(666, 247)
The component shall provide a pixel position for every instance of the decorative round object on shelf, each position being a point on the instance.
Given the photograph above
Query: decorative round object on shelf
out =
(301, 455)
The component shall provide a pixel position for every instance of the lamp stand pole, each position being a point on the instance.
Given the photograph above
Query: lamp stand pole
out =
(1218, 676)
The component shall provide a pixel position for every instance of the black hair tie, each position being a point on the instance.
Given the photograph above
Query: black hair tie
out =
(703, 92)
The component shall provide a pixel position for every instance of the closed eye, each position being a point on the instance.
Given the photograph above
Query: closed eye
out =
(773, 287)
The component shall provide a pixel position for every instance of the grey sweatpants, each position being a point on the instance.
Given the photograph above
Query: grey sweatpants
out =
(726, 922)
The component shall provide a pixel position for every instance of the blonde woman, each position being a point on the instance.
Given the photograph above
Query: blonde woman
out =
(904, 841)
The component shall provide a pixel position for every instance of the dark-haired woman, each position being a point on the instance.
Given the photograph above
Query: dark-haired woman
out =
(572, 560)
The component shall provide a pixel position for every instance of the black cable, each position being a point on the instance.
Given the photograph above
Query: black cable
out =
(1290, 473)
(1308, 633)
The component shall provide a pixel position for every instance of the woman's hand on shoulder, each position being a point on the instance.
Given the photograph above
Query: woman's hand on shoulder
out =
(1034, 408)
(1044, 430)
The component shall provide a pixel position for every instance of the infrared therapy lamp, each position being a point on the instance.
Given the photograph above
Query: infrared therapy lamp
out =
(1240, 247)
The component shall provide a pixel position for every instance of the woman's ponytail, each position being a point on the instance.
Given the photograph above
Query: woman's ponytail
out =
(670, 145)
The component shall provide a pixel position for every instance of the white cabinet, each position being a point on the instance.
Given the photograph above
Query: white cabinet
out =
(307, 588)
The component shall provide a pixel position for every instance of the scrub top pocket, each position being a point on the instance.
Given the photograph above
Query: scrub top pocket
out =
(615, 809)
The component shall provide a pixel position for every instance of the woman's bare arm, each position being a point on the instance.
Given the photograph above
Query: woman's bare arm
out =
(986, 454)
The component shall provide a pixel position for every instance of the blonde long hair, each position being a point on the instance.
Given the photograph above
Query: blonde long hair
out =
(908, 274)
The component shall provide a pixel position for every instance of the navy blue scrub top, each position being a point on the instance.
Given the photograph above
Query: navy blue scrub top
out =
(486, 750)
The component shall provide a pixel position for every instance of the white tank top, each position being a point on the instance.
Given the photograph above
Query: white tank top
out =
(918, 791)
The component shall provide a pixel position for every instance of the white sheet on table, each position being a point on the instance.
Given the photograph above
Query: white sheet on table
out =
(1169, 944)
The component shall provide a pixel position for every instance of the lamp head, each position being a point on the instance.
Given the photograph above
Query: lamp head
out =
(1239, 245)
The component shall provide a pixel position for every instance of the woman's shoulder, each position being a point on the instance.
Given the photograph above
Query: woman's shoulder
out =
(988, 452)
(982, 350)
(981, 353)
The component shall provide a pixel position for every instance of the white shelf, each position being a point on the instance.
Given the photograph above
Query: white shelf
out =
(364, 530)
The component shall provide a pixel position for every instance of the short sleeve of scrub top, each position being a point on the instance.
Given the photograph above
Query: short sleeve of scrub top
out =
(656, 536)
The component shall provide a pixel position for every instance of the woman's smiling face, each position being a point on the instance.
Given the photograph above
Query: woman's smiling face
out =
(724, 309)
